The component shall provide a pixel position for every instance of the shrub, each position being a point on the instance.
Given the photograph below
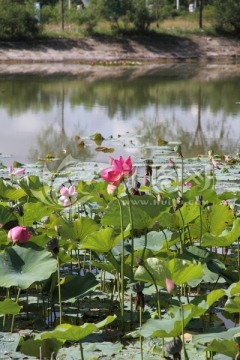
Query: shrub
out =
(228, 15)
(18, 21)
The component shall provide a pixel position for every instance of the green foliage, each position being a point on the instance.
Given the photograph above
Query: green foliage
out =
(17, 20)
(228, 15)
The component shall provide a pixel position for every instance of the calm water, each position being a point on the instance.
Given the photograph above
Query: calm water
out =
(47, 113)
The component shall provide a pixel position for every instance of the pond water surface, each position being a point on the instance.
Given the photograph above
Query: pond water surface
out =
(50, 111)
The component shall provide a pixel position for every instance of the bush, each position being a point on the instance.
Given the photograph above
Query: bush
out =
(18, 21)
(49, 14)
(228, 15)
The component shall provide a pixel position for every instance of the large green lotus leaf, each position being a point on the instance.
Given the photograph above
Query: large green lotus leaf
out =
(173, 327)
(232, 305)
(21, 266)
(78, 229)
(214, 221)
(6, 215)
(167, 327)
(156, 241)
(186, 214)
(177, 220)
(224, 240)
(148, 204)
(178, 270)
(32, 347)
(225, 347)
(34, 212)
(101, 241)
(10, 192)
(4, 240)
(75, 286)
(208, 338)
(73, 332)
(112, 215)
(35, 188)
(233, 289)
(9, 306)
(208, 195)
(117, 266)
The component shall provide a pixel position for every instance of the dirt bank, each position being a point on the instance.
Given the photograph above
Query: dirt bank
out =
(161, 48)
(215, 57)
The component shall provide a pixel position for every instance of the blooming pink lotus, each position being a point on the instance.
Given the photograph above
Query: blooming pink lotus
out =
(19, 234)
(119, 169)
(68, 195)
(15, 172)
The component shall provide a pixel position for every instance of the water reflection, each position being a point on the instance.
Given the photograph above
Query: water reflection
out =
(51, 114)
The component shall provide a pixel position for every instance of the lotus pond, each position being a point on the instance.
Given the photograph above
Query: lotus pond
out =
(137, 259)
(106, 256)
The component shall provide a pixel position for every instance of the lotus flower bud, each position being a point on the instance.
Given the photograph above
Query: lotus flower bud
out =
(171, 287)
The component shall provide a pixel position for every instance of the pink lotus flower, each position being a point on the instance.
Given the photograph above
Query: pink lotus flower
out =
(15, 172)
(171, 163)
(68, 195)
(215, 163)
(19, 234)
(171, 287)
(188, 184)
(118, 171)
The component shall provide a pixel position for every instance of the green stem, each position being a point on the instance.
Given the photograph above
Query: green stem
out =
(122, 262)
(182, 319)
(59, 291)
(201, 224)
(238, 258)
(158, 301)
(131, 222)
(182, 173)
(140, 325)
(213, 175)
(162, 230)
(81, 350)
(13, 318)
(183, 225)
(145, 243)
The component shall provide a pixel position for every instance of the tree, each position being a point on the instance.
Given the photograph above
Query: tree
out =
(228, 15)
(18, 20)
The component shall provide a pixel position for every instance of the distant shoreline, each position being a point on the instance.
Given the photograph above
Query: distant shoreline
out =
(145, 49)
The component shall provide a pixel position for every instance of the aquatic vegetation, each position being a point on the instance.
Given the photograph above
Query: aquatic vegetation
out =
(144, 254)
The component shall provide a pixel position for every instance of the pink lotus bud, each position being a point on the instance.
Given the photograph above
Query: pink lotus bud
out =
(188, 184)
(171, 287)
(19, 234)
(171, 164)
(146, 181)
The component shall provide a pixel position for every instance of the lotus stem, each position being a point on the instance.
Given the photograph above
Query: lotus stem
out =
(182, 320)
(140, 325)
(81, 350)
(122, 262)
(59, 290)
(131, 222)
(158, 300)
(182, 174)
(13, 318)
